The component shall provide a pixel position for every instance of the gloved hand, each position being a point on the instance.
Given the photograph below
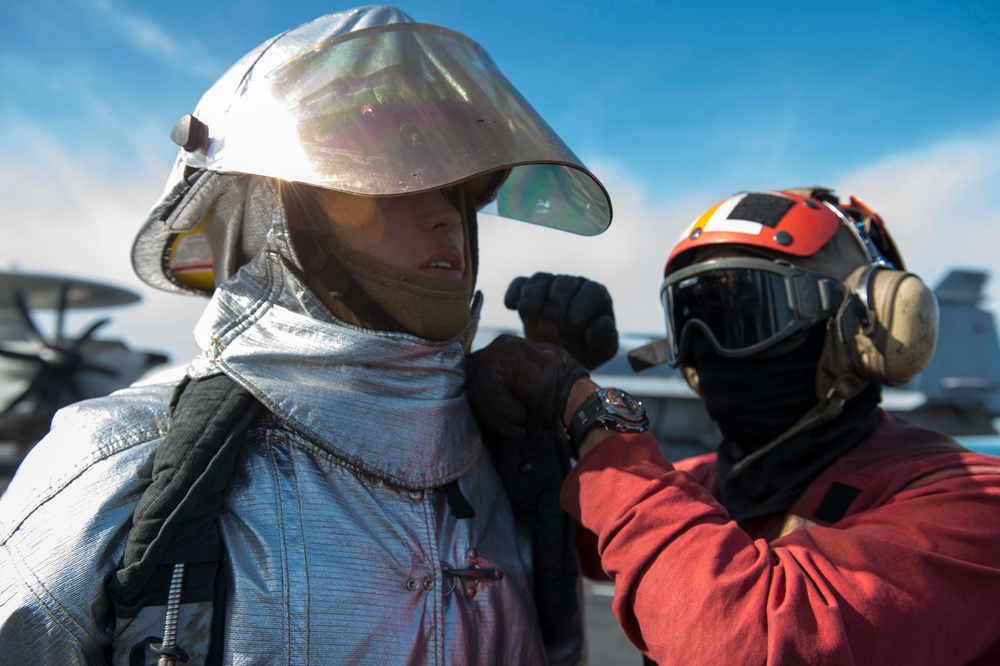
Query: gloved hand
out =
(573, 312)
(513, 382)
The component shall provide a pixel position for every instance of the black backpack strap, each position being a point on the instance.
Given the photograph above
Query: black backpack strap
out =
(532, 471)
(174, 548)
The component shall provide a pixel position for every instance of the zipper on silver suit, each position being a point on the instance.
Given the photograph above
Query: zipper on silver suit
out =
(170, 653)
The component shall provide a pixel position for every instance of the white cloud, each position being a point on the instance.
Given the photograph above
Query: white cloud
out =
(940, 204)
(59, 216)
(628, 257)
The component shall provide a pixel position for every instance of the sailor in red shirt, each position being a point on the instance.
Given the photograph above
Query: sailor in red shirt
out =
(824, 531)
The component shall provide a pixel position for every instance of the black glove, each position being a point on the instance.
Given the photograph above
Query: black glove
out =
(573, 312)
(513, 382)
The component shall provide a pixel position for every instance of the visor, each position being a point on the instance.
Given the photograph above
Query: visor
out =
(744, 306)
(403, 108)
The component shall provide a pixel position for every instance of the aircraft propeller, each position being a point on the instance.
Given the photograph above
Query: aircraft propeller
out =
(59, 361)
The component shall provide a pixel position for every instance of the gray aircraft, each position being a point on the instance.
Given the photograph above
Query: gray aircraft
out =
(958, 393)
(39, 372)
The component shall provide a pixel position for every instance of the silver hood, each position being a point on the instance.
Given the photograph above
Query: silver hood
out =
(367, 102)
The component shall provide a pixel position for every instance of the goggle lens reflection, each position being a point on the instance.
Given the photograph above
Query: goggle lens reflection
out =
(744, 310)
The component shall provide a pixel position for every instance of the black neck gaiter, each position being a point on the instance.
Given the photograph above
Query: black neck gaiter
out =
(753, 400)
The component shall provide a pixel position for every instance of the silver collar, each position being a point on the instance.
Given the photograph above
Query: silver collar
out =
(390, 404)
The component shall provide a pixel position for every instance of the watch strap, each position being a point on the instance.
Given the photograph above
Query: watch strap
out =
(622, 412)
(586, 417)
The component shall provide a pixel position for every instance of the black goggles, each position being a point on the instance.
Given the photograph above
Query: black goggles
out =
(744, 305)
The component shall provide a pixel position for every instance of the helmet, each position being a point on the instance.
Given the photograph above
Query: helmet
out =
(759, 267)
(367, 102)
(796, 222)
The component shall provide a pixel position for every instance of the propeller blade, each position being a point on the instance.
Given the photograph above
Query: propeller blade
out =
(32, 388)
(99, 369)
(89, 333)
(22, 308)
(61, 311)
(32, 358)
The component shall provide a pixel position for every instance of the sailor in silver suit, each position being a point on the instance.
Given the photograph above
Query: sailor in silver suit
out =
(301, 170)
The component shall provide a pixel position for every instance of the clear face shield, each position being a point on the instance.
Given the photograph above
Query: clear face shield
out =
(398, 109)
(744, 306)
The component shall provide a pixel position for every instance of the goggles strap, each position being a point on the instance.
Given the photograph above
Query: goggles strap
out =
(858, 306)
(865, 296)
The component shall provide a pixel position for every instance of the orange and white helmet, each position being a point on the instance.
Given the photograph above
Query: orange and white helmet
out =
(798, 223)
(759, 267)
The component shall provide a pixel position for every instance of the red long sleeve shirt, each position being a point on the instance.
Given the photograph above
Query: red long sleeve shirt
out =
(908, 574)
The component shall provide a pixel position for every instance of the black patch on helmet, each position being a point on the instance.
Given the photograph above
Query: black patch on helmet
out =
(767, 209)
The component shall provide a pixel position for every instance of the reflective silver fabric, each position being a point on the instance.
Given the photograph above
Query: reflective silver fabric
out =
(368, 102)
(336, 533)
(393, 109)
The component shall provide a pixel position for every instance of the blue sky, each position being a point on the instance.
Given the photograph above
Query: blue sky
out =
(674, 107)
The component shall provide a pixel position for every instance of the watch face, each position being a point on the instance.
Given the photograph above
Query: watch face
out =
(610, 408)
(624, 405)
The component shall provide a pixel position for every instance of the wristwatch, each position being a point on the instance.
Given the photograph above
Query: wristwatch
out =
(610, 407)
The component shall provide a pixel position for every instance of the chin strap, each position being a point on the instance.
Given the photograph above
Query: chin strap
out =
(826, 410)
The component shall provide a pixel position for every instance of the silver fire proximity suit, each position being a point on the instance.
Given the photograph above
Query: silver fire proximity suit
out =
(337, 537)
(342, 542)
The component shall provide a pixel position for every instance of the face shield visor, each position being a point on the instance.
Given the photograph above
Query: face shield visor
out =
(398, 109)
(744, 306)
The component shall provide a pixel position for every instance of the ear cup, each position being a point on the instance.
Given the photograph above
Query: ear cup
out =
(901, 335)
(904, 335)
(891, 333)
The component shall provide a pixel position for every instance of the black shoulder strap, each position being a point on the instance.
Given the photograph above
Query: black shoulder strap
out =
(532, 471)
(175, 521)
(835, 503)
